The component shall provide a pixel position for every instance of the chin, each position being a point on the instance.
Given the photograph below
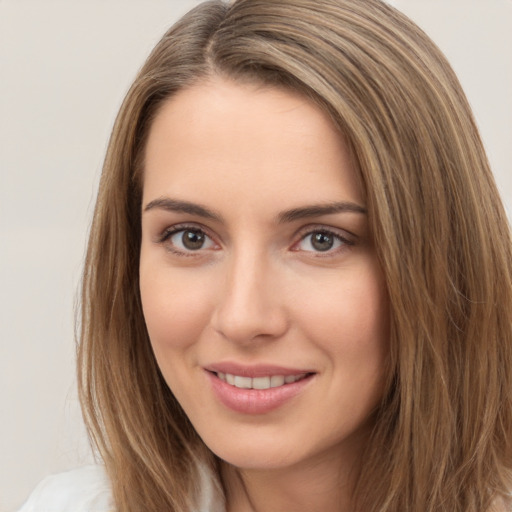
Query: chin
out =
(259, 460)
(257, 453)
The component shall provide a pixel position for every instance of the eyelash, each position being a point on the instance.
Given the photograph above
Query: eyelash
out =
(345, 242)
(181, 228)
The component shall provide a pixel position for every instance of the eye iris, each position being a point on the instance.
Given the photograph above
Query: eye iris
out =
(322, 241)
(192, 240)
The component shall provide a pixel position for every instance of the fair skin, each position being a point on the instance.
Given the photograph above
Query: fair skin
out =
(257, 265)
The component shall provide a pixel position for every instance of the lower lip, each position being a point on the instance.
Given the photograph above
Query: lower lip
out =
(255, 401)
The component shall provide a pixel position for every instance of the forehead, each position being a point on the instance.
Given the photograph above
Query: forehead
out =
(248, 138)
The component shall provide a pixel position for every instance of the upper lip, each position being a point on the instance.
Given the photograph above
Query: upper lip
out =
(257, 370)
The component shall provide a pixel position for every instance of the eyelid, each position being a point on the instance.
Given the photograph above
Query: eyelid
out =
(182, 226)
(164, 236)
(313, 228)
(348, 238)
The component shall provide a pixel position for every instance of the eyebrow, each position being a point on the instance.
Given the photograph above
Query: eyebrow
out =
(320, 209)
(304, 212)
(175, 205)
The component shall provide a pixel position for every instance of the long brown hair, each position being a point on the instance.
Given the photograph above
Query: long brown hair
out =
(442, 440)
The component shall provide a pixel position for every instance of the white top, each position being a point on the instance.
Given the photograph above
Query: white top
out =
(88, 490)
(81, 490)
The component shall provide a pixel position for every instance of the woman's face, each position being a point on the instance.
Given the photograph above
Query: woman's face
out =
(262, 295)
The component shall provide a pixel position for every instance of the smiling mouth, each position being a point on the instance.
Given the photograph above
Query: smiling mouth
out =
(267, 382)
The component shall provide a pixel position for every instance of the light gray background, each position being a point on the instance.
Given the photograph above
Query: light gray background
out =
(64, 68)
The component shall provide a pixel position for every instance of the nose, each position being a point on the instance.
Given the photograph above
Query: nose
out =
(250, 305)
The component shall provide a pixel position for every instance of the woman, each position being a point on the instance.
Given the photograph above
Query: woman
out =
(298, 286)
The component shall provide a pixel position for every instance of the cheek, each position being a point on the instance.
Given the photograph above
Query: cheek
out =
(355, 301)
(349, 319)
(176, 310)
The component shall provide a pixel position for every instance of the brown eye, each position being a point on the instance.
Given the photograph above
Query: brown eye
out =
(188, 240)
(322, 241)
(192, 240)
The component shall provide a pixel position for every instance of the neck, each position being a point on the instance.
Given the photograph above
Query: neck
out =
(324, 483)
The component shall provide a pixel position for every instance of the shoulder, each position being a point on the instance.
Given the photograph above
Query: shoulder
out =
(81, 490)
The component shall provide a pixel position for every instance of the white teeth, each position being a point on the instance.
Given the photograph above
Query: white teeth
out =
(261, 382)
(258, 382)
(243, 382)
(277, 380)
